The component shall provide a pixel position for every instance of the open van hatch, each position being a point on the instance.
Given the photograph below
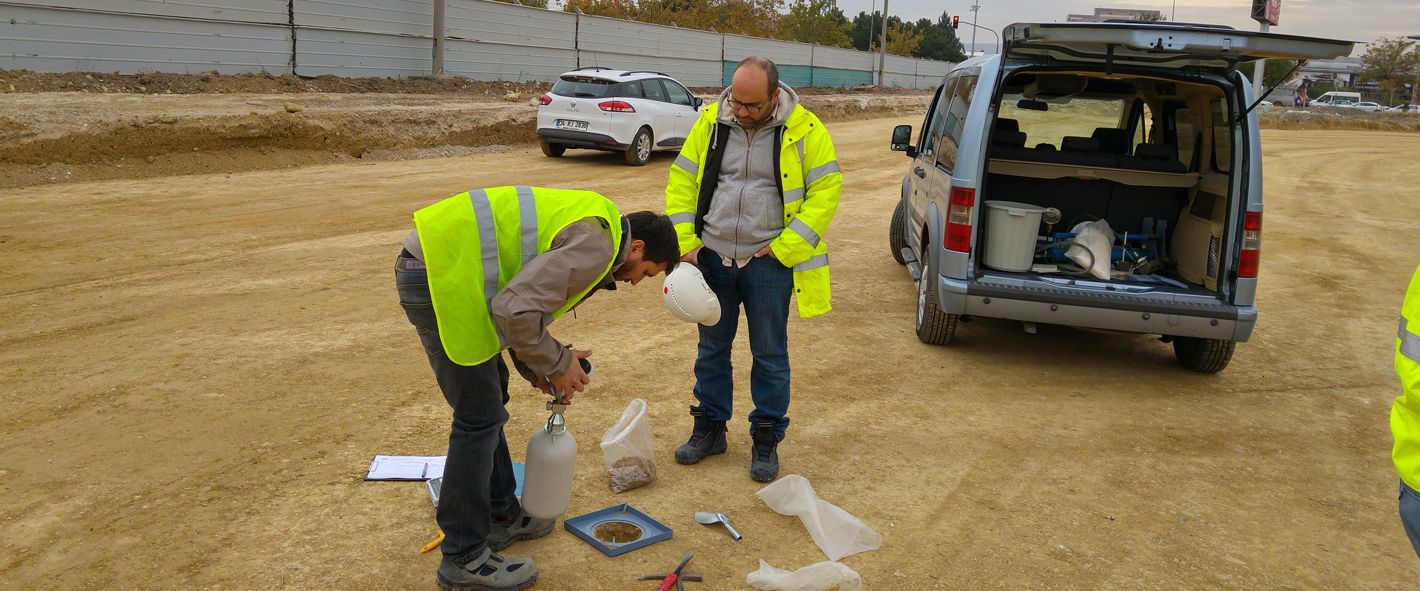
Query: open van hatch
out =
(1168, 45)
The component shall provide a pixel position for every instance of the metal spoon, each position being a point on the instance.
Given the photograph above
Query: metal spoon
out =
(707, 518)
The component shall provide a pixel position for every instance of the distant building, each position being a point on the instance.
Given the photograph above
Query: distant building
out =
(1128, 14)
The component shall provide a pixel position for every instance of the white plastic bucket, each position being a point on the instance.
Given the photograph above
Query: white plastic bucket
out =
(1010, 235)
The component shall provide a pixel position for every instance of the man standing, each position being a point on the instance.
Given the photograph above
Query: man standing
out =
(1405, 413)
(488, 270)
(751, 196)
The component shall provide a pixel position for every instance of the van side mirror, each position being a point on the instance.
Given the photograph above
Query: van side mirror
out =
(901, 140)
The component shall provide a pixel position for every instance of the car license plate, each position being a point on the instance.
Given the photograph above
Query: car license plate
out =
(570, 124)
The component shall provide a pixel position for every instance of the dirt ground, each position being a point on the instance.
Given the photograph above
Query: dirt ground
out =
(196, 370)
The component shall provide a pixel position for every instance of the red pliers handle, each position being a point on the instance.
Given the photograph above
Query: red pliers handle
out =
(673, 578)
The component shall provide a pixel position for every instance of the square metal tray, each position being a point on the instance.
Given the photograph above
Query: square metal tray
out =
(584, 526)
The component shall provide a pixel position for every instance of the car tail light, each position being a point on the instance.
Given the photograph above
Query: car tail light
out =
(544, 100)
(1252, 245)
(617, 106)
(958, 234)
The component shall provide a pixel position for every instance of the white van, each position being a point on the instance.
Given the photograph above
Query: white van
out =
(1336, 98)
(1148, 130)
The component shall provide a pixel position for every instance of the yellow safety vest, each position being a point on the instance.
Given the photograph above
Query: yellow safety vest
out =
(812, 186)
(1405, 413)
(475, 242)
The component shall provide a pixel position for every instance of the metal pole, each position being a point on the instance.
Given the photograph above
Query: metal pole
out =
(1415, 90)
(438, 69)
(975, 10)
(871, 22)
(1257, 71)
(882, 56)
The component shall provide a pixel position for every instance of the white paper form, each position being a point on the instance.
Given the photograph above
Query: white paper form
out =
(405, 468)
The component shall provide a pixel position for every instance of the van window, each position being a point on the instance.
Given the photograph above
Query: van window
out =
(954, 122)
(932, 129)
(1222, 137)
(1063, 117)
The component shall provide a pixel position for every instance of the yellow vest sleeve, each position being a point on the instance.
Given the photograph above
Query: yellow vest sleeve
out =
(683, 184)
(823, 189)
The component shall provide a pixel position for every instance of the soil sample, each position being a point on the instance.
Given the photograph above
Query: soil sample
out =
(630, 472)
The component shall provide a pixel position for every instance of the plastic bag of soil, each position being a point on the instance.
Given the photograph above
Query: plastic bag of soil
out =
(629, 451)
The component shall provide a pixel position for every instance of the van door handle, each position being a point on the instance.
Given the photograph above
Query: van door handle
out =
(921, 174)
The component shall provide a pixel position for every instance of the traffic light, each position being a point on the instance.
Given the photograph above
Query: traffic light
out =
(956, 21)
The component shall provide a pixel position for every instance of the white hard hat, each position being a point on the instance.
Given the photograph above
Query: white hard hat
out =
(689, 298)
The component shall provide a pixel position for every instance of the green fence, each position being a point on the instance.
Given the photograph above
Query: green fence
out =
(797, 76)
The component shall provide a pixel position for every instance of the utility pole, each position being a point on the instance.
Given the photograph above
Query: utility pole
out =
(975, 9)
(1257, 70)
(872, 22)
(438, 66)
(882, 57)
(1415, 89)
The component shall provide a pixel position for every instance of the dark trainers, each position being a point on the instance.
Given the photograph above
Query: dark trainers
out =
(764, 457)
(489, 572)
(525, 527)
(707, 438)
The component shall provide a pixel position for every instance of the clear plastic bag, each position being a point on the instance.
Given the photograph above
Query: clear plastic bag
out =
(837, 532)
(814, 577)
(630, 453)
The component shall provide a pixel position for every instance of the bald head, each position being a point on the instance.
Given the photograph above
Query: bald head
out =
(753, 91)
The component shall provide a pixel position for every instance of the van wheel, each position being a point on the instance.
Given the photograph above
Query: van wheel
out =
(1203, 355)
(640, 150)
(896, 240)
(552, 150)
(934, 326)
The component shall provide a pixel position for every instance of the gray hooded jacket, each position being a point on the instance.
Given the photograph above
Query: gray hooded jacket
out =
(747, 211)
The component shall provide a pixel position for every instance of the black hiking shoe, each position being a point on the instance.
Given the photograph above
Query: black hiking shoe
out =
(764, 458)
(706, 439)
(489, 572)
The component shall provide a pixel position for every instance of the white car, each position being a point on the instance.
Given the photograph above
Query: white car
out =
(634, 112)
(1368, 106)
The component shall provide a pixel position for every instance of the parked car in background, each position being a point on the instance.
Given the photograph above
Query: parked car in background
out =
(1402, 108)
(1137, 155)
(1335, 98)
(1368, 106)
(630, 111)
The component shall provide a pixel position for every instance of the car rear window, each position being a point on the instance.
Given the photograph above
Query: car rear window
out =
(583, 87)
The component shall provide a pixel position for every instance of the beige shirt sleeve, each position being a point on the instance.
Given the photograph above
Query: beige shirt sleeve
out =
(578, 256)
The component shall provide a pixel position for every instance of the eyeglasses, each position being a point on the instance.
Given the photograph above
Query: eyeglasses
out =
(752, 108)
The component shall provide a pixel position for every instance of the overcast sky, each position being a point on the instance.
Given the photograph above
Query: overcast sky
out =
(1350, 20)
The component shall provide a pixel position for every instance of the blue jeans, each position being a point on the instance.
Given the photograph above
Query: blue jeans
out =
(763, 286)
(478, 473)
(1410, 515)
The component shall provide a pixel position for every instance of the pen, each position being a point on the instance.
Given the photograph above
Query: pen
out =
(425, 472)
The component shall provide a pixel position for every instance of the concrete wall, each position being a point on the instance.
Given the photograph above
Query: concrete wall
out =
(484, 40)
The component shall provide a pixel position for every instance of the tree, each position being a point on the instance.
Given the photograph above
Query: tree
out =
(939, 41)
(816, 21)
(1390, 63)
(902, 39)
(1274, 70)
(533, 3)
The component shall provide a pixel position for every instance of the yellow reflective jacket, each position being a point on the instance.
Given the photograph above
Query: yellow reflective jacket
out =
(475, 242)
(1405, 413)
(809, 181)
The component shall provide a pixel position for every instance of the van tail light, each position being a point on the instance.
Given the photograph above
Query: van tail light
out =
(1252, 245)
(958, 234)
(617, 106)
(544, 100)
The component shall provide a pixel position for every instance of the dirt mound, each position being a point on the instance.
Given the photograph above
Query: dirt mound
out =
(73, 136)
(1318, 119)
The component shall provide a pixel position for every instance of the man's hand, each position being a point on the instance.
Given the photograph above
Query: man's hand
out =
(574, 379)
(692, 257)
(766, 251)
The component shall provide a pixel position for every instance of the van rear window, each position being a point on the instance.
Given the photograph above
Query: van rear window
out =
(583, 87)
(1077, 116)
